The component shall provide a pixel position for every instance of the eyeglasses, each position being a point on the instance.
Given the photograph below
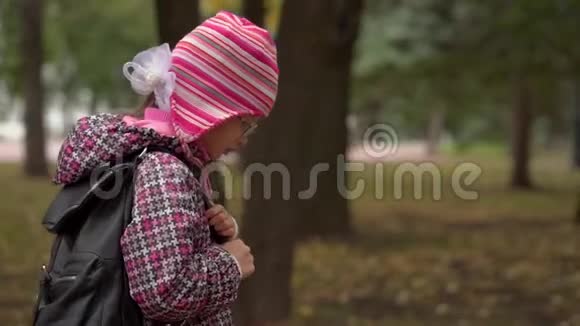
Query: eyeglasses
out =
(249, 127)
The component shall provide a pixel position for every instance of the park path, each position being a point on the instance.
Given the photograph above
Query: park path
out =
(13, 151)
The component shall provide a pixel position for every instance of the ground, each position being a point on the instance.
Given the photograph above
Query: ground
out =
(508, 258)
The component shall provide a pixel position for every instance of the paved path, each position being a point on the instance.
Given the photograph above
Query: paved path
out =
(12, 151)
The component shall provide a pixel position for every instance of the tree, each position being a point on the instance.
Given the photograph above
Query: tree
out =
(577, 215)
(268, 225)
(31, 13)
(327, 213)
(10, 47)
(88, 61)
(435, 131)
(313, 92)
(576, 123)
(255, 11)
(496, 45)
(176, 18)
(521, 134)
(576, 142)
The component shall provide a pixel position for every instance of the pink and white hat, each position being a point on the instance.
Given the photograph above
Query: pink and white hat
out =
(224, 68)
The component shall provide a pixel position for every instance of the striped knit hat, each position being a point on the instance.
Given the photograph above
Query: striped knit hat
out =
(224, 68)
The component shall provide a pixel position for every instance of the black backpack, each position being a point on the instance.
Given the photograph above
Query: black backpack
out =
(85, 282)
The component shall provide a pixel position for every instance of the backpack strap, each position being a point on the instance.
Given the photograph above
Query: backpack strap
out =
(73, 198)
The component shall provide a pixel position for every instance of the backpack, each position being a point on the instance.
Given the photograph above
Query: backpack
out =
(85, 282)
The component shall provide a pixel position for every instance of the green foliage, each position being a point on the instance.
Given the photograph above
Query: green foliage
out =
(9, 46)
(85, 46)
(94, 41)
(273, 10)
(463, 55)
(211, 7)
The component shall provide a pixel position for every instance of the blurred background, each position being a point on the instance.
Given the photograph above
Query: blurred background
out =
(495, 83)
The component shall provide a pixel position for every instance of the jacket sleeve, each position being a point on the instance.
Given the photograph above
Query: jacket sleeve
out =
(173, 273)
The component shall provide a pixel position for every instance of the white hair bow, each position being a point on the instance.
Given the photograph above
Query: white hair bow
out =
(149, 73)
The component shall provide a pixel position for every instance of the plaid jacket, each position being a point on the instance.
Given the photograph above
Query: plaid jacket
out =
(177, 275)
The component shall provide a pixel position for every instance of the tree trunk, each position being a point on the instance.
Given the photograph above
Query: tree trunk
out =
(576, 128)
(435, 131)
(577, 216)
(575, 91)
(32, 56)
(255, 11)
(327, 214)
(555, 133)
(268, 225)
(67, 116)
(176, 18)
(93, 104)
(521, 135)
(313, 92)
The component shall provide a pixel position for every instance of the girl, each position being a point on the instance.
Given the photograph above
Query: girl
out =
(208, 95)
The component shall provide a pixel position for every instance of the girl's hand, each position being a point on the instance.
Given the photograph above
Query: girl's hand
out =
(223, 223)
(243, 256)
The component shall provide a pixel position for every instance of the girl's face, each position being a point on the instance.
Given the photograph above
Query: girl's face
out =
(230, 136)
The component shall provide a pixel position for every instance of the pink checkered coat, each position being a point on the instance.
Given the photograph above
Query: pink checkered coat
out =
(177, 274)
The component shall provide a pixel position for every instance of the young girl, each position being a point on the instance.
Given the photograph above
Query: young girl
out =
(208, 95)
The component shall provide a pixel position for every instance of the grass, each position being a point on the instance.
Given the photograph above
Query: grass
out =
(24, 244)
(508, 258)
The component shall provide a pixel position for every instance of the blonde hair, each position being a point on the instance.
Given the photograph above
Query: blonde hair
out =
(149, 102)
